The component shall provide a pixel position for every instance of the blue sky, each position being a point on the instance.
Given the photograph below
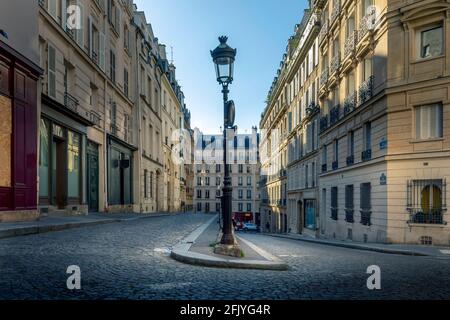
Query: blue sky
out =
(259, 29)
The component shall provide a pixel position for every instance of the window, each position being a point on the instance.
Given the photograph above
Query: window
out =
(240, 207)
(349, 203)
(365, 201)
(249, 207)
(145, 184)
(151, 185)
(334, 203)
(207, 181)
(431, 42)
(241, 168)
(73, 164)
(44, 153)
(336, 151)
(249, 181)
(199, 181)
(51, 72)
(112, 66)
(426, 200)
(249, 194)
(368, 136)
(429, 121)
(207, 194)
(218, 168)
(125, 82)
(217, 181)
(241, 193)
(199, 194)
(199, 206)
(240, 181)
(367, 68)
(351, 143)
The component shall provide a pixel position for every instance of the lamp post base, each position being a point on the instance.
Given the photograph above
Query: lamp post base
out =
(231, 248)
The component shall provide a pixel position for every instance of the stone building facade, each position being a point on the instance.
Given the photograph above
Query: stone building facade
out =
(382, 91)
(108, 113)
(243, 158)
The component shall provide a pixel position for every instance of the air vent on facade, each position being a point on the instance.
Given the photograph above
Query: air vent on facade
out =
(426, 240)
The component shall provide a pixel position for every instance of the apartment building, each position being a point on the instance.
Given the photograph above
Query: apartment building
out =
(209, 170)
(384, 121)
(148, 102)
(186, 150)
(172, 99)
(289, 141)
(19, 110)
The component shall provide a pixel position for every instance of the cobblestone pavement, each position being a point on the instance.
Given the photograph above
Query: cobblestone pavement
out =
(130, 260)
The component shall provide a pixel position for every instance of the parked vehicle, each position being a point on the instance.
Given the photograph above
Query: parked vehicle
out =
(239, 226)
(250, 227)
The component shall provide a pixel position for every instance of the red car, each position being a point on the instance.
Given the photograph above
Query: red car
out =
(239, 226)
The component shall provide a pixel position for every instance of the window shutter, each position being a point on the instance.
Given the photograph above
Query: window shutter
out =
(64, 14)
(51, 72)
(80, 31)
(101, 55)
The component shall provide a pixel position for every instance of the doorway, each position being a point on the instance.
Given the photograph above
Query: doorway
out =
(300, 216)
(59, 165)
(93, 177)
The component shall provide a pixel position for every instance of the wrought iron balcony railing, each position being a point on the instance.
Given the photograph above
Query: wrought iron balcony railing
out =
(350, 44)
(70, 102)
(335, 165)
(366, 90)
(94, 57)
(366, 155)
(427, 216)
(312, 108)
(335, 63)
(336, 10)
(350, 160)
(367, 23)
(350, 103)
(324, 30)
(323, 78)
(366, 217)
(349, 215)
(334, 114)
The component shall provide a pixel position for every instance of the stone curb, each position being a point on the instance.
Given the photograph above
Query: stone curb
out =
(25, 231)
(181, 253)
(354, 246)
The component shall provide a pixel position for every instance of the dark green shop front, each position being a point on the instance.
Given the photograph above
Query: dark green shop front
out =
(120, 172)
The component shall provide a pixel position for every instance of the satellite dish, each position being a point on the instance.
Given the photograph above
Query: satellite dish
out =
(230, 112)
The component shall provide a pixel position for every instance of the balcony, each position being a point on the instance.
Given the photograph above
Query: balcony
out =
(350, 103)
(324, 30)
(324, 168)
(95, 118)
(336, 11)
(366, 155)
(335, 165)
(323, 123)
(367, 24)
(428, 216)
(334, 214)
(365, 91)
(70, 102)
(350, 160)
(349, 216)
(319, 3)
(365, 217)
(311, 109)
(335, 63)
(350, 44)
(323, 78)
(334, 114)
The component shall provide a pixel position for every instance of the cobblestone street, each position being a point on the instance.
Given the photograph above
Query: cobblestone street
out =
(130, 260)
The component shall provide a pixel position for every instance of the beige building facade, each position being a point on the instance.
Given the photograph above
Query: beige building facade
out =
(209, 172)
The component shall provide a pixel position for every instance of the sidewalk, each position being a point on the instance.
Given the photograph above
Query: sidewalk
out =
(197, 249)
(412, 250)
(48, 224)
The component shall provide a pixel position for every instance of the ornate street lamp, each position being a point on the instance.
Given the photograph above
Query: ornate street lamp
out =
(223, 57)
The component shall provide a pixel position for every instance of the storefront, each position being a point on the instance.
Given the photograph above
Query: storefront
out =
(120, 175)
(18, 135)
(62, 164)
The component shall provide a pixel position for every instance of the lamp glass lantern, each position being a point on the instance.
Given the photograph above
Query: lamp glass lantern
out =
(223, 57)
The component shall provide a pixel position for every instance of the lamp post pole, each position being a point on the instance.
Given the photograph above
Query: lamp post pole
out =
(227, 191)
